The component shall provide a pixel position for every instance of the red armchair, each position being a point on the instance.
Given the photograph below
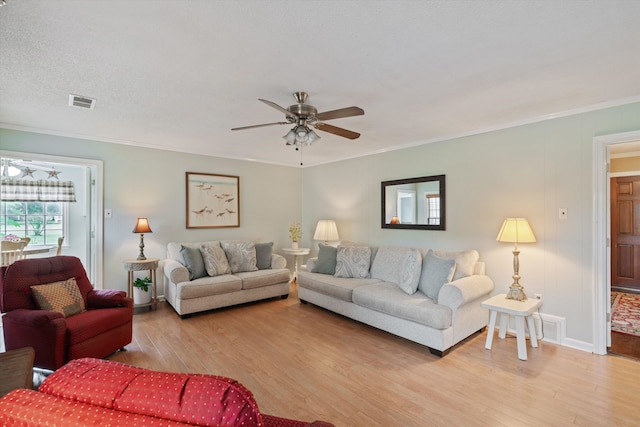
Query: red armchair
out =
(102, 329)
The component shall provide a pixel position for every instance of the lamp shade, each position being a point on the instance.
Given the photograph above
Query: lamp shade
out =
(142, 226)
(516, 230)
(394, 220)
(326, 230)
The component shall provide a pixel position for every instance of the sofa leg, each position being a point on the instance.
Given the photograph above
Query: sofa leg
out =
(303, 301)
(439, 353)
(185, 316)
(284, 296)
(123, 349)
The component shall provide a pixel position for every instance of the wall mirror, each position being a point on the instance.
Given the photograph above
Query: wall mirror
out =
(414, 203)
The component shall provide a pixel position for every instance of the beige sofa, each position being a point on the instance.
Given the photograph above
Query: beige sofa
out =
(235, 272)
(430, 297)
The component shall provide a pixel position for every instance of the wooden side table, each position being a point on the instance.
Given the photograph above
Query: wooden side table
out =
(296, 253)
(151, 264)
(521, 310)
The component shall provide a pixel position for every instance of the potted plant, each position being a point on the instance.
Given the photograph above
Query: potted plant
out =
(141, 294)
(295, 233)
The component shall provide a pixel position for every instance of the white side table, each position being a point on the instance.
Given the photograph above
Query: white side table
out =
(150, 264)
(521, 310)
(296, 253)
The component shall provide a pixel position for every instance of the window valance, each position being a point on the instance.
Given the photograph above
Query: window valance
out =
(17, 190)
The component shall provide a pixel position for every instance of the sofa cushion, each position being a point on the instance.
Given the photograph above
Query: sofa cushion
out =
(337, 287)
(193, 261)
(63, 297)
(214, 260)
(261, 278)
(207, 286)
(241, 255)
(401, 266)
(327, 258)
(388, 298)
(263, 255)
(92, 323)
(436, 271)
(465, 261)
(353, 261)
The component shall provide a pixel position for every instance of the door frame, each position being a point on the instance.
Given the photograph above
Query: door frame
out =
(94, 203)
(602, 237)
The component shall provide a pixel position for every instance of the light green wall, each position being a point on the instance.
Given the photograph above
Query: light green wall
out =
(151, 183)
(529, 171)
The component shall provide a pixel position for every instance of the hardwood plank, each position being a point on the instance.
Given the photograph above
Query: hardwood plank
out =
(304, 362)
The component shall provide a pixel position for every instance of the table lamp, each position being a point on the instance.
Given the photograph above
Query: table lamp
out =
(326, 230)
(142, 226)
(516, 230)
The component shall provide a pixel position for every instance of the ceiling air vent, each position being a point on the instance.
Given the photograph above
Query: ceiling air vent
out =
(82, 101)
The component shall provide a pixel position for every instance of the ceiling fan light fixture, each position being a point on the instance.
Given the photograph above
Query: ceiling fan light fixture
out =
(313, 137)
(290, 137)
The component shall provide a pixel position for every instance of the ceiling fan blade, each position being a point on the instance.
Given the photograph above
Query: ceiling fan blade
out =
(342, 112)
(259, 126)
(279, 108)
(337, 131)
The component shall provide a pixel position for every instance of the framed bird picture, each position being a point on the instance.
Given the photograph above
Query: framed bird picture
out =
(213, 201)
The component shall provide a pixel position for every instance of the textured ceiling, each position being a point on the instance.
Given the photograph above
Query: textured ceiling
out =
(179, 75)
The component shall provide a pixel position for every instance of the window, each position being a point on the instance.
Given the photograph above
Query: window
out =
(42, 222)
(433, 209)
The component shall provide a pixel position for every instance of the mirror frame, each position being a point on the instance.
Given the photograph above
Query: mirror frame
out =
(440, 179)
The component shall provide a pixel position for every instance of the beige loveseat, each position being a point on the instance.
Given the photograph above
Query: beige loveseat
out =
(201, 276)
(430, 297)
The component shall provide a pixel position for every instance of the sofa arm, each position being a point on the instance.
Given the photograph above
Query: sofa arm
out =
(459, 292)
(175, 271)
(108, 298)
(278, 261)
(311, 263)
(43, 330)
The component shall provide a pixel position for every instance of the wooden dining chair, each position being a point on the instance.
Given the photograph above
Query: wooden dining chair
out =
(59, 251)
(12, 251)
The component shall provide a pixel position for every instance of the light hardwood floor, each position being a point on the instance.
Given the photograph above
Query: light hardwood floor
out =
(303, 362)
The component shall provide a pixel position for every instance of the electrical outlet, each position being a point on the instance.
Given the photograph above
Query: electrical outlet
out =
(108, 213)
(538, 296)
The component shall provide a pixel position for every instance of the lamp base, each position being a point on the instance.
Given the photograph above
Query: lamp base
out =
(516, 292)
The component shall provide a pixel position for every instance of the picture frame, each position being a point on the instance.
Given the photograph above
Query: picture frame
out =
(213, 201)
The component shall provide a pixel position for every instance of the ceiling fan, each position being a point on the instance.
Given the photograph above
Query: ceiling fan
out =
(304, 115)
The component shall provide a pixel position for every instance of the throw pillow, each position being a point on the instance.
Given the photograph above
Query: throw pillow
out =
(436, 271)
(327, 258)
(215, 260)
(241, 256)
(263, 255)
(465, 261)
(401, 266)
(63, 297)
(193, 261)
(353, 261)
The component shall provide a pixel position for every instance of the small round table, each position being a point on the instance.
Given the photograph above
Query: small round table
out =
(296, 253)
(150, 264)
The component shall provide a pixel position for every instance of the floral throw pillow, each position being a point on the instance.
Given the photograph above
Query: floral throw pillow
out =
(353, 261)
(241, 256)
(215, 260)
(63, 297)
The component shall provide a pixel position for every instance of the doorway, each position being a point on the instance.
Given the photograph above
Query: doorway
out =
(625, 247)
(602, 146)
(83, 235)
